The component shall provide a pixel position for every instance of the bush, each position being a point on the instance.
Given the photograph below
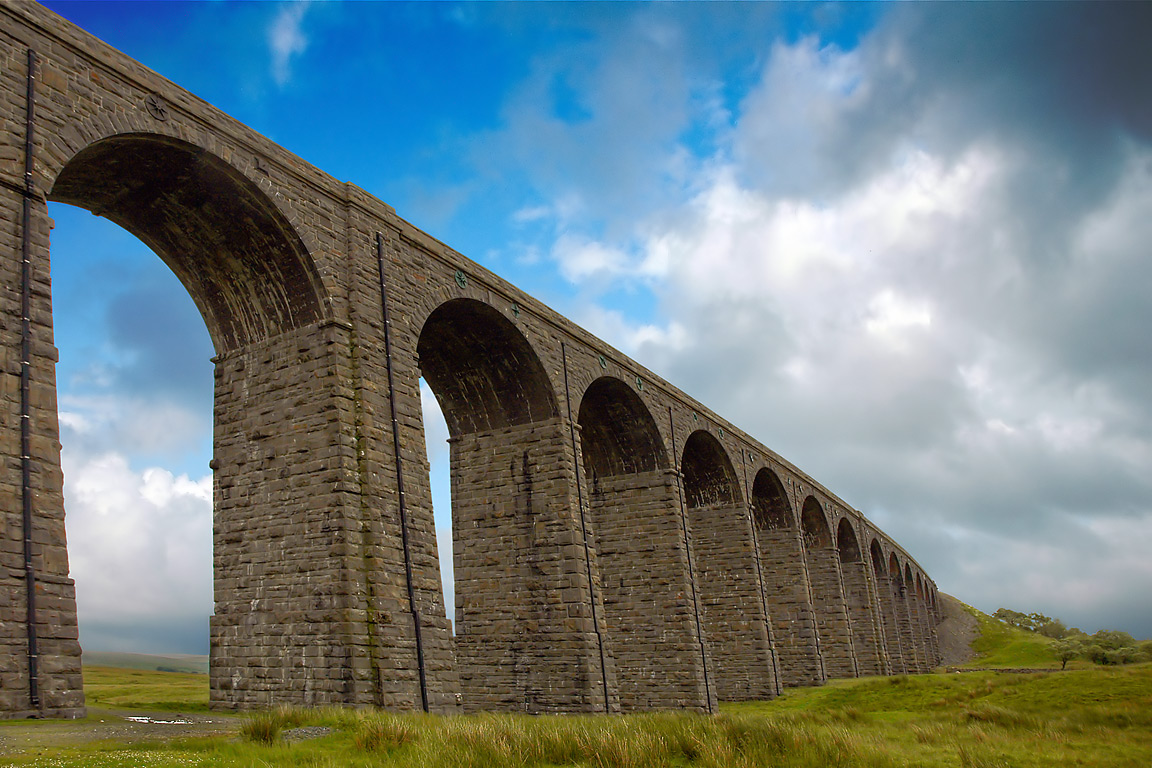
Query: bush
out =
(1126, 655)
(1113, 639)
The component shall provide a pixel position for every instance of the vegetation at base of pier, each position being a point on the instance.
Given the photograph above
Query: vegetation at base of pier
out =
(1088, 716)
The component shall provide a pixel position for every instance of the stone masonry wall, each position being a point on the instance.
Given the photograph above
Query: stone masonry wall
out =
(905, 622)
(732, 606)
(786, 587)
(648, 607)
(865, 630)
(60, 690)
(893, 637)
(525, 638)
(831, 612)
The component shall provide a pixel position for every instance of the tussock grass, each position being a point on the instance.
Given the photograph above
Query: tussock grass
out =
(1088, 717)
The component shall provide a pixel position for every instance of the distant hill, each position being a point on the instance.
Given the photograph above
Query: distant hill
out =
(176, 662)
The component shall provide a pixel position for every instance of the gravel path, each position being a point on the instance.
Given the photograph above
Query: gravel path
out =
(956, 632)
(102, 724)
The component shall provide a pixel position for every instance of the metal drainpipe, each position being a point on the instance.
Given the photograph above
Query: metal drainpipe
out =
(412, 606)
(691, 570)
(26, 384)
(584, 529)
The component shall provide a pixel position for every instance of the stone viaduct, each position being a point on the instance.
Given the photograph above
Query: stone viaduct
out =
(619, 547)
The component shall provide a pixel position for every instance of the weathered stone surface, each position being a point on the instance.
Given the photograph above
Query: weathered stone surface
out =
(618, 546)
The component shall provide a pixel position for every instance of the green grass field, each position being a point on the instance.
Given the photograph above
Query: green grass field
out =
(1084, 717)
(149, 690)
(1002, 646)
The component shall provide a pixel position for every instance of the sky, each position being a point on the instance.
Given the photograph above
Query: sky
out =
(904, 246)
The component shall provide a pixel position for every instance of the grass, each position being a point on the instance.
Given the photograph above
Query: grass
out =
(116, 688)
(1086, 717)
(1000, 645)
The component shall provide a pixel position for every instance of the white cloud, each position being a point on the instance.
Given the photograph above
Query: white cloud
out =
(910, 335)
(581, 259)
(436, 445)
(140, 544)
(286, 39)
(167, 427)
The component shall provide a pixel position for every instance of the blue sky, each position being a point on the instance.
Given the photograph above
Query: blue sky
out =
(903, 245)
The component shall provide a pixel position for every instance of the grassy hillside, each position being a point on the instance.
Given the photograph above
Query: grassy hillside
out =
(1000, 645)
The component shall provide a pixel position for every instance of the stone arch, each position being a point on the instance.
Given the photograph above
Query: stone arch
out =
(241, 260)
(905, 613)
(770, 502)
(895, 572)
(923, 629)
(645, 578)
(862, 613)
(824, 574)
(785, 582)
(887, 598)
(263, 302)
(618, 434)
(814, 524)
(847, 542)
(709, 478)
(482, 370)
(724, 557)
(512, 480)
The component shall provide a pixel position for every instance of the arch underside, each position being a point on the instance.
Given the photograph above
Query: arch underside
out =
(618, 432)
(482, 370)
(242, 262)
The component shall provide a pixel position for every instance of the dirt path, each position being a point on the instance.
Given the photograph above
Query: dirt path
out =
(104, 724)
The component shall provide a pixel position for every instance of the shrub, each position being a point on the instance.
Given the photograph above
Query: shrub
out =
(1113, 639)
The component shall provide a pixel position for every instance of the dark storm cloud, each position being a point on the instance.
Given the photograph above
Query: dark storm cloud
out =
(1064, 84)
(178, 633)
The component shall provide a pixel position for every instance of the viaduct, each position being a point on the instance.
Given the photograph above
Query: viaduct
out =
(619, 547)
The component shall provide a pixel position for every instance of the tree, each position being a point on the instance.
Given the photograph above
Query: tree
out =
(1013, 618)
(1067, 649)
(1113, 639)
(1032, 622)
(1095, 653)
(1053, 628)
(1126, 654)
